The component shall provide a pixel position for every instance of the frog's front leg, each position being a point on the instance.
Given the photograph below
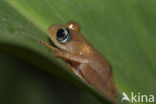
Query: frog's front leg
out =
(64, 55)
(70, 56)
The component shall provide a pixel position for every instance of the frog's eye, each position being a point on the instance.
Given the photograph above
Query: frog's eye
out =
(73, 26)
(63, 35)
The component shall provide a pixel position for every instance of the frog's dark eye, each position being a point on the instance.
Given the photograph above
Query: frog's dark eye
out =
(63, 35)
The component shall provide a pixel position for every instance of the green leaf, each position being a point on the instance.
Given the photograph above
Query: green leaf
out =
(123, 31)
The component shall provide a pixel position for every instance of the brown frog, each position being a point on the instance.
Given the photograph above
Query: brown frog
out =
(82, 58)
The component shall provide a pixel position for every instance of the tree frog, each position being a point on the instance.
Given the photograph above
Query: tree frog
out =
(82, 58)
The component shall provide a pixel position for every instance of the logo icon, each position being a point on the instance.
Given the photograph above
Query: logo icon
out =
(125, 97)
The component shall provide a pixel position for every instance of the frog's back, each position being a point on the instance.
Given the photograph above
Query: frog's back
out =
(99, 74)
(98, 71)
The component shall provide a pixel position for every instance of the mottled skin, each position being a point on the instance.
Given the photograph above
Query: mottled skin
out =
(84, 60)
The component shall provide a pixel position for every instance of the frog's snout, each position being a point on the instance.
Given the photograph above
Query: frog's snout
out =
(51, 28)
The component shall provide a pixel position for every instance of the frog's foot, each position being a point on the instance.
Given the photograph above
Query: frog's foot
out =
(55, 55)
(49, 46)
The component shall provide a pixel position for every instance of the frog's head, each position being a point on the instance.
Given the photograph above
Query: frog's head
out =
(64, 36)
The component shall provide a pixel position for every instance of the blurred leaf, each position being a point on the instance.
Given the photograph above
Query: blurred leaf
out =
(22, 83)
(123, 31)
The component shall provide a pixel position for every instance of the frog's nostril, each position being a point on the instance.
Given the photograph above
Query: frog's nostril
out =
(51, 27)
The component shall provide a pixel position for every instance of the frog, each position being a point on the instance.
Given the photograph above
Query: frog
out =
(82, 58)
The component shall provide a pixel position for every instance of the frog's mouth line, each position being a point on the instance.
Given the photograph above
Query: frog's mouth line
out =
(53, 45)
